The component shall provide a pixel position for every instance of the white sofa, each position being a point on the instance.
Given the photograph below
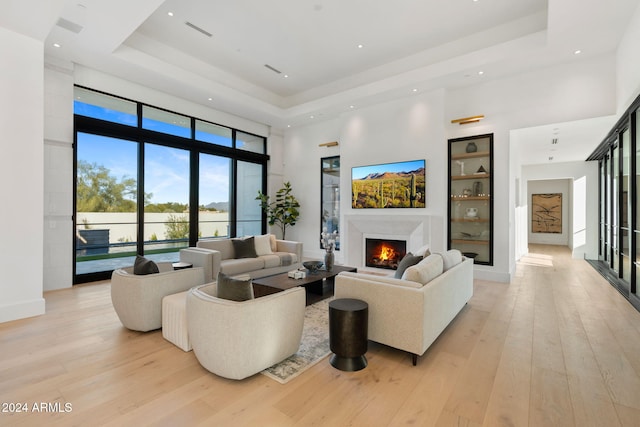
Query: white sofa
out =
(137, 299)
(410, 313)
(238, 339)
(283, 256)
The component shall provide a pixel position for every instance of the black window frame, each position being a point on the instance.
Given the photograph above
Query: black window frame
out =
(91, 125)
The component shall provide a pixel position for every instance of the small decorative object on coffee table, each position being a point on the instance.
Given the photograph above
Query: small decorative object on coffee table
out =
(328, 241)
(312, 266)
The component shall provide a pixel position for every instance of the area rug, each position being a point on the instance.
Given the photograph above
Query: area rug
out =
(313, 348)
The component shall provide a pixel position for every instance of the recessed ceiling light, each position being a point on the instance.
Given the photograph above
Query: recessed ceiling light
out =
(311, 117)
(414, 90)
(286, 76)
(480, 73)
(352, 106)
(577, 52)
(210, 99)
(57, 45)
(360, 46)
(170, 13)
(288, 126)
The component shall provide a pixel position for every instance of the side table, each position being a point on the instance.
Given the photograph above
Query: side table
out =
(348, 324)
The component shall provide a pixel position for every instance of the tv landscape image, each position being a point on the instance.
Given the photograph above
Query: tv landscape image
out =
(389, 185)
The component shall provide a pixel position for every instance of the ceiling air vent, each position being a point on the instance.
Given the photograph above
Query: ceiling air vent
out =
(275, 70)
(198, 29)
(554, 141)
(68, 25)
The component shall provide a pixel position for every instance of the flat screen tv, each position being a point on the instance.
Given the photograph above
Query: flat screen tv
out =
(389, 185)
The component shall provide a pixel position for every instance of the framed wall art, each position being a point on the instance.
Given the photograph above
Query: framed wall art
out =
(389, 185)
(546, 213)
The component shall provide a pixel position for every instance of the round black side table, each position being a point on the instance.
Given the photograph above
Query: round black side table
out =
(348, 323)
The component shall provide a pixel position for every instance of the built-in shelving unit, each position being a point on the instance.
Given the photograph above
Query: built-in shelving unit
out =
(470, 189)
(330, 195)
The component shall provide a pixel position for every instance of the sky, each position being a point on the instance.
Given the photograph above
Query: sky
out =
(166, 168)
(359, 172)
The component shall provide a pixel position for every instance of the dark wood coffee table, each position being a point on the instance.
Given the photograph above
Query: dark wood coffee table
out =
(319, 285)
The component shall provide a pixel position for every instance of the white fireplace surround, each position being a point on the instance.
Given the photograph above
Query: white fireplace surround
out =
(417, 230)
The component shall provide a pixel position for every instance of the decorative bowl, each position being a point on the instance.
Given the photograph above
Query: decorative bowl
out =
(312, 266)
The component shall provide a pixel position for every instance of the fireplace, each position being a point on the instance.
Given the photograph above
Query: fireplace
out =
(384, 253)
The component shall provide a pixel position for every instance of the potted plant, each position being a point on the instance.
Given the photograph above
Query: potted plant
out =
(283, 211)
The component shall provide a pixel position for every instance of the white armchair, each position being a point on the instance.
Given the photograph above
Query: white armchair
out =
(238, 339)
(137, 299)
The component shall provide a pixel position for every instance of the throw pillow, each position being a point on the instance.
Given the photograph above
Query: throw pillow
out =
(234, 289)
(263, 245)
(423, 251)
(143, 266)
(451, 258)
(425, 271)
(407, 261)
(274, 243)
(244, 248)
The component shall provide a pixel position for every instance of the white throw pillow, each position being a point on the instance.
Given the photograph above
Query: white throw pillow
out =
(263, 245)
(451, 258)
(423, 251)
(425, 271)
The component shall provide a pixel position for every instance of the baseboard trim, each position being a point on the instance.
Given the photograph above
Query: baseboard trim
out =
(22, 310)
(492, 276)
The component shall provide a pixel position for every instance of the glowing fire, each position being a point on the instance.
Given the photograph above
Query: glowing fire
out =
(386, 253)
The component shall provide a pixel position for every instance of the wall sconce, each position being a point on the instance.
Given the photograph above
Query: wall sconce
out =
(467, 120)
(328, 144)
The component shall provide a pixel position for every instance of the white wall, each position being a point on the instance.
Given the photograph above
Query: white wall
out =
(628, 64)
(407, 129)
(550, 186)
(419, 126)
(21, 175)
(579, 90)
(583, 234)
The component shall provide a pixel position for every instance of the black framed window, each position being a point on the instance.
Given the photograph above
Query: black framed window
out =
(151, 181)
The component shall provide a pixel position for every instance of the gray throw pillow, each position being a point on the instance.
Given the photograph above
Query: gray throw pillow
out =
(406, 262)
(143, 266)
(244, 248)
(234, 289)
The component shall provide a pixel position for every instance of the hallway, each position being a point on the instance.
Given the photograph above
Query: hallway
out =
(582, 339)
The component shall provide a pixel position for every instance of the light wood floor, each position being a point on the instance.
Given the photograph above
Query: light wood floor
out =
(556, 347)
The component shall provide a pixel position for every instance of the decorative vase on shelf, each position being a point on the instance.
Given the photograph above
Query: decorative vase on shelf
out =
(328, 260)
(477, 188)
(472, 147)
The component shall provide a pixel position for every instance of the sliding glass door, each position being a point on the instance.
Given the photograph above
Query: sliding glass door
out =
(106, 202)
(166, 204)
